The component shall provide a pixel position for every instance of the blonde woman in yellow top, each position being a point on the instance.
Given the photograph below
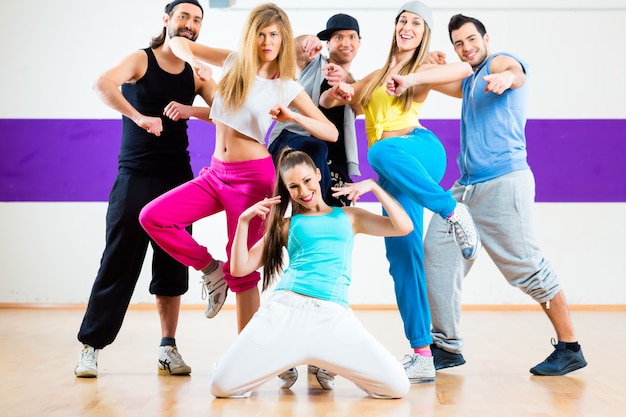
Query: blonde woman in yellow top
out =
(410, 161)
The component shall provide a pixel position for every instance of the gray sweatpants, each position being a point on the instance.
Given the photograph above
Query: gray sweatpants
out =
(503, 211)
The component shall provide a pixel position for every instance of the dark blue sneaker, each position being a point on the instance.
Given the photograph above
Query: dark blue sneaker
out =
(560, 362)
(445, 359)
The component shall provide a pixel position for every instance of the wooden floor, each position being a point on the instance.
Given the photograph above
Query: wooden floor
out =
(39, 352)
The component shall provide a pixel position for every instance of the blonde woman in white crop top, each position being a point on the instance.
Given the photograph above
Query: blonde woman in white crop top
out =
(257, 88)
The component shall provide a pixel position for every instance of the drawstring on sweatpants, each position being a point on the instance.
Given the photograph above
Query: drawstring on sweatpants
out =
(465, 191)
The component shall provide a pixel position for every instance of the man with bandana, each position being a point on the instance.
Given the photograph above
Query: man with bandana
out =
(154, 91)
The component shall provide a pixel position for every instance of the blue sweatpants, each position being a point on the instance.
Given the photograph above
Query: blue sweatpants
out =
(410, 168)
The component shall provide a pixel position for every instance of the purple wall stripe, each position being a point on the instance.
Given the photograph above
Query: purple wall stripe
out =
(76, 160)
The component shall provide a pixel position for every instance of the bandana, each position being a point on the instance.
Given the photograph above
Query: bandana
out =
(170, 6)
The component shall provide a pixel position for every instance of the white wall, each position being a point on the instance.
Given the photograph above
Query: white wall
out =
(52, 51)
(52, 252)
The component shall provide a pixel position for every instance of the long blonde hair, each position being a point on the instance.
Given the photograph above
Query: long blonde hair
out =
(236, 83)
(406, 98)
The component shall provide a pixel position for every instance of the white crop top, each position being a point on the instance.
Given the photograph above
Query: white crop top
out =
(253, 118)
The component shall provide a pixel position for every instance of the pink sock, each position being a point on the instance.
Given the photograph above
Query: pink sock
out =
(423, 351)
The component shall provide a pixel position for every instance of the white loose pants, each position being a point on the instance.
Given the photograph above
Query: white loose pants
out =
(291, 330)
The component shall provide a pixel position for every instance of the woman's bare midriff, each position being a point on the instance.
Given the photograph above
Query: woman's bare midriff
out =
(232, 146)
(394, 133)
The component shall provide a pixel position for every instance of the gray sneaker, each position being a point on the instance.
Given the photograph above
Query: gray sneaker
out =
(419, 368)
(465, 232)
(214, 290)
(87, 363)
(287, 378)
(171, 363)
(325, 378)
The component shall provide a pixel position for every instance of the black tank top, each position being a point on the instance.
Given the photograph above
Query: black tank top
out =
(143, 153)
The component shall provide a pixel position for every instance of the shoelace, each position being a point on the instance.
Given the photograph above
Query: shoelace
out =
(408, 360)
(557, 352)
(460, 233)
(173, 356)
(88, 355)
(207, 287)
(205, 293)
(461, 237)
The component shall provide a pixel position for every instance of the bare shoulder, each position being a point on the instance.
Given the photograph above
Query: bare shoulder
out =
(130, 69)
(139, 56)
(355, 213)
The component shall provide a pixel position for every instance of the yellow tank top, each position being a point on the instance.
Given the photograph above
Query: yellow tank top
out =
(382, 114)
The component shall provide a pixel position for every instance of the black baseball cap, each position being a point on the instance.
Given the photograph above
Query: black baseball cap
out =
(339, 22)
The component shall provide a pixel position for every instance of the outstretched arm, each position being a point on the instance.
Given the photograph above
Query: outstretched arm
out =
(308, 48)
(197, 54)
(343, 93)
(398, 223)
(308, 116)
(428, 75)
(242, 260)
(336, 74)
(506, 73)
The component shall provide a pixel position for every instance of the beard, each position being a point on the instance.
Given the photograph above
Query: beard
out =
(183, 33)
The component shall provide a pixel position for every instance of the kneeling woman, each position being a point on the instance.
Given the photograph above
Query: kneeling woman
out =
(307, 319)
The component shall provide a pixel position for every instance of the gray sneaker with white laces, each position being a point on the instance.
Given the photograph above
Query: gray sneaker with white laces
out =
(325, 378)
(419, 368)
(465, 232)
(214, 290)
(171, 363)
(287, 378)
(87, 363)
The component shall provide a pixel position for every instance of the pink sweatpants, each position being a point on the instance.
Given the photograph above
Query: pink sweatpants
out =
(228, 186)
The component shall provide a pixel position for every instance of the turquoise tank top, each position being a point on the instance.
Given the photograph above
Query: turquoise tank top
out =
(320, 256)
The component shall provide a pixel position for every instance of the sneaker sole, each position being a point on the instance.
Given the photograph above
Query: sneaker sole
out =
(175, 373)
(565, 371)
(448, 364)
(85, 374)
(421, 380)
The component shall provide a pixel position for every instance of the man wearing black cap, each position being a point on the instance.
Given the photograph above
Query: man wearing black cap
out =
(337, 161)
(157, 92)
